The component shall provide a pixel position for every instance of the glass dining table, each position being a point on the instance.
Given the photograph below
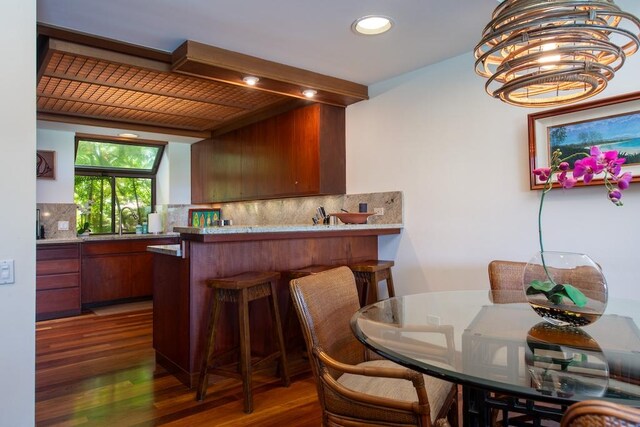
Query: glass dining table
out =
(511, 363)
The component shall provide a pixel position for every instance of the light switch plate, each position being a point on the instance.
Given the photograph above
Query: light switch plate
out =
(63, 225)
(6, 272)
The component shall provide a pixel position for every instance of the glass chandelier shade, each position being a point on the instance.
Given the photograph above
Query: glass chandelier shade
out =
(539, 53)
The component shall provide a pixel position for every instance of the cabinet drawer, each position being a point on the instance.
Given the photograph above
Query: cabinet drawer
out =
(52, 302)
(57, 281)
(71, 250)
(57, 266)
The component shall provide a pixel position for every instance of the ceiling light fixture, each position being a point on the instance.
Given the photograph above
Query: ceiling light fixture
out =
(250, 80)
(372, 25)
(127, 135)
(538, 53)
(309, 93)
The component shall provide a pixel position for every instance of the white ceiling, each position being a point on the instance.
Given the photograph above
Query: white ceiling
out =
(311, 34)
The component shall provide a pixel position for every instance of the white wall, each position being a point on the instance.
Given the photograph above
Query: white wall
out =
(461, 159)
(174, 174)
(17, 212)
(173, 181)
(59, 190)
(179, 174)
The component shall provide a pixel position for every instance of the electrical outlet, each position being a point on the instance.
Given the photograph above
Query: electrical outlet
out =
(433, 320)
(378, 211)
(63, 225)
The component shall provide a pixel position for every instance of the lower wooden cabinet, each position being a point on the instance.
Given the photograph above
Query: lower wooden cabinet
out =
(118, 269)
(57, 280)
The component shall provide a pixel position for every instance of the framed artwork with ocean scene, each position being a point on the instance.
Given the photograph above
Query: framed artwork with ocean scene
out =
(610, 124)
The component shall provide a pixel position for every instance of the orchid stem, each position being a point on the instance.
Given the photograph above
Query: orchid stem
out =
(544, 264)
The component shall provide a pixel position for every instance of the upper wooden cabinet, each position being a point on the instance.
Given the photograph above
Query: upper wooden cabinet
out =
(296, 153)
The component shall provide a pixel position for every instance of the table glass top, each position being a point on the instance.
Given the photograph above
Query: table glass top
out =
(466, 337)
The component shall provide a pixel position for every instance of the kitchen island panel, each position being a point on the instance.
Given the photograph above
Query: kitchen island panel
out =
(205, 260)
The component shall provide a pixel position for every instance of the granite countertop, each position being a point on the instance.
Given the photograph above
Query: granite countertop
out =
(242, 229)
(100, 237)
(173, 250)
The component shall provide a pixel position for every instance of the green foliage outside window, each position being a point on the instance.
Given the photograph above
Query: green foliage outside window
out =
(108, 155)
(126, 179)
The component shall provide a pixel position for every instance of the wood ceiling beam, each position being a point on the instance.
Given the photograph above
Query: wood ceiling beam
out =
(93, 121)
(223, 65)
(91, 40)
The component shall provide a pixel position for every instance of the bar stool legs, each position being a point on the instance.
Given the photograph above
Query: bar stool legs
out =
(214, 317)
(368, 274)
(241, 290)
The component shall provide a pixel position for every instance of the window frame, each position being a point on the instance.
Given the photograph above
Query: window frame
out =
(114, 173)
(136, 173)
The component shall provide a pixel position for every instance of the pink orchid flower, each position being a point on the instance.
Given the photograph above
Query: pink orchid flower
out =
(566, 181)
(586, 168)
(624, 180)
(542, 173)
(615, 196)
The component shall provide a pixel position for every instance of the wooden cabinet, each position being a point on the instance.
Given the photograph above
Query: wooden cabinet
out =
(57, 280)
(299, 152)
(118, 269)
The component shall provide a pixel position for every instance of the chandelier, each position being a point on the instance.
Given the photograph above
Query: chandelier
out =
(538, 53)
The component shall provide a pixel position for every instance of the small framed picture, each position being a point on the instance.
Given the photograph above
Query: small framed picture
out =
(610, 124)
(203, 217)
(45, 164)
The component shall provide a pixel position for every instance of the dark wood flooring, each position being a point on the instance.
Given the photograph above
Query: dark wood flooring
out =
(100, 371)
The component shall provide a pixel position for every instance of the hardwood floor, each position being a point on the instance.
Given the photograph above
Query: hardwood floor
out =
(100, 370)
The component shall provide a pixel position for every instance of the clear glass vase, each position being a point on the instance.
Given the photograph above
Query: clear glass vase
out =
(565, 288)
(566, 362)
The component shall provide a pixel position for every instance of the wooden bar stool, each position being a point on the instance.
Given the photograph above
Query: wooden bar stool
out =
(242, 289)
(368, 274)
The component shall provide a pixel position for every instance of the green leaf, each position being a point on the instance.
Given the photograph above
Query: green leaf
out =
(575, 295)
(555, 298)
(545, 286)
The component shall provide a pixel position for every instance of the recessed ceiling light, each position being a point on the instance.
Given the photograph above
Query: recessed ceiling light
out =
(309, 93)
(127, 135)
(372, 25)
(250, 80)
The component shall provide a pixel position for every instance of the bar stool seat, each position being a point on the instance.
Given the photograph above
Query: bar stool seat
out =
(368, 274)
(242, 289)
(306, 271)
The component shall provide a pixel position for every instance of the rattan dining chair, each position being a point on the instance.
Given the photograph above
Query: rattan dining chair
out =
(598, 413)
(506, 276)
(353, 389)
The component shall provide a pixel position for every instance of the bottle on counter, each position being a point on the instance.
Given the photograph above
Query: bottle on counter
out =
(145, 228)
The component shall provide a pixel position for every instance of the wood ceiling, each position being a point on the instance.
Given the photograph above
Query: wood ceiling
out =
(195, 91)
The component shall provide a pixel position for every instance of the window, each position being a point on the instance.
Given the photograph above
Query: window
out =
(114, 180)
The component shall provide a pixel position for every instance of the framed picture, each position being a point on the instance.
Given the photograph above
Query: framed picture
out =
(45, 164)
(611, 124)
(203, 217)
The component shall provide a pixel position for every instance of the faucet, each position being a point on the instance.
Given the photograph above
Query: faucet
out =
(133, 214)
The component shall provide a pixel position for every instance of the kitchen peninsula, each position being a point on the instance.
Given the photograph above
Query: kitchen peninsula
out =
(181, 297)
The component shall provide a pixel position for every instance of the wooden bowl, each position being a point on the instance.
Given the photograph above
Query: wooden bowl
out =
(353, 217)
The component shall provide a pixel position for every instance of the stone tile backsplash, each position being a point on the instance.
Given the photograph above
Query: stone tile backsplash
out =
(290, 211)
(51, 213)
